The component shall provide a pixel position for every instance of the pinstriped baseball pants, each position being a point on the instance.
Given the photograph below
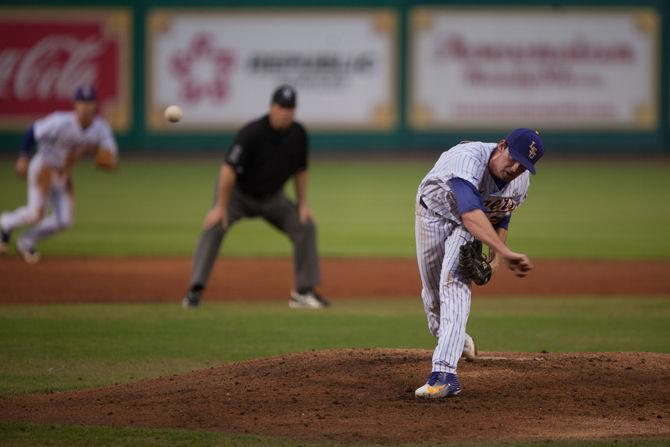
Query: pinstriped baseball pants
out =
(446, 297)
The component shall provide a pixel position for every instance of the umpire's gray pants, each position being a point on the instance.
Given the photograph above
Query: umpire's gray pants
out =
(281, 213)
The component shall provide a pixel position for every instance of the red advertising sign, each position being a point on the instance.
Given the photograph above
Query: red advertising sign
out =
(46, 54)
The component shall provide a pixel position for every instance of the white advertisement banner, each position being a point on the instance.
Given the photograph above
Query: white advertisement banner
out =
(221, 67)
(550, 69)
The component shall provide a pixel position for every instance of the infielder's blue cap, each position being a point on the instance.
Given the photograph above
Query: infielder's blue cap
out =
(85, 92)
(525, 146)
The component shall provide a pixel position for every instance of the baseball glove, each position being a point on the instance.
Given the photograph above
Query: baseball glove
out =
(474, 266)
(105, 160)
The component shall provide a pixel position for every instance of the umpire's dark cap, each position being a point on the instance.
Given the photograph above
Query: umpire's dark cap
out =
(85, 92)
(526, 147)
(285, 96)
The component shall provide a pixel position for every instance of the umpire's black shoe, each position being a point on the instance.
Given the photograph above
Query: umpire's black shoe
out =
(4, 240)
(324, 302)
(192, 299)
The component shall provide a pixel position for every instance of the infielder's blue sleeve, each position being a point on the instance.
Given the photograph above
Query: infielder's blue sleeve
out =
(28, 142)
(467, 196)
(504, 223)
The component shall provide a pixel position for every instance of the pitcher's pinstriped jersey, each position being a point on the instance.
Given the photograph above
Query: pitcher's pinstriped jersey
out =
(59, 133)
(469, 161)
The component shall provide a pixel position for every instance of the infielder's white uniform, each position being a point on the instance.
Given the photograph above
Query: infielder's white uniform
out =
(440, 233)
(60, 140)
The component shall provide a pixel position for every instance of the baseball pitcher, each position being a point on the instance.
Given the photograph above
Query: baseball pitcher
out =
(465, 200)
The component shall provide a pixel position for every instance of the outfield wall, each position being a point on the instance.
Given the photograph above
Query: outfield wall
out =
(371, 75)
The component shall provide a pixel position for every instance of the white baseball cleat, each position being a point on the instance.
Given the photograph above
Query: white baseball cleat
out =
(30, 255)
(469, 349)
(308, 300)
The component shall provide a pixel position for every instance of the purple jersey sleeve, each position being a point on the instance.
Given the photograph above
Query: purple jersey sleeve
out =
(467, 196)
(504, 223)
(468, 199)
(28, 142)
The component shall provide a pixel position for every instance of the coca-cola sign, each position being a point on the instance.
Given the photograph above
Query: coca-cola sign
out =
(46, 54)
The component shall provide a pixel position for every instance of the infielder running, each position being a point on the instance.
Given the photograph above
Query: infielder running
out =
(469, 194)
(265, 154)
(62, 138)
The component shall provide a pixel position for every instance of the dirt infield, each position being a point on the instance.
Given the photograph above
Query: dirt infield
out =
(66, 280)
(368, 396)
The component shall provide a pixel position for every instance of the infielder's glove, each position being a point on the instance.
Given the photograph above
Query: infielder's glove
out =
(105, 160)
(473, 264)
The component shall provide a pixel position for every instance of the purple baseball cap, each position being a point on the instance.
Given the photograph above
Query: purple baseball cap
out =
(526, 147)
(85, 92)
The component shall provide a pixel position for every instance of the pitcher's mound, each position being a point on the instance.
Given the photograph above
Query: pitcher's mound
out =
(368, 396)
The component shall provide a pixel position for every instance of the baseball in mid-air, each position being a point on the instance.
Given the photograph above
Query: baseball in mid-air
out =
(173, 114)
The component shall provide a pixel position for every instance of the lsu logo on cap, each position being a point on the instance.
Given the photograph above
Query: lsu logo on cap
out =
(85, 92)
(526, 147)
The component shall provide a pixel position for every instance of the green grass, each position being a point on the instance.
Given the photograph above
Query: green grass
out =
(595, 209)
(575, 209)
(23, 435)
(15, 434)
(60, 347)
